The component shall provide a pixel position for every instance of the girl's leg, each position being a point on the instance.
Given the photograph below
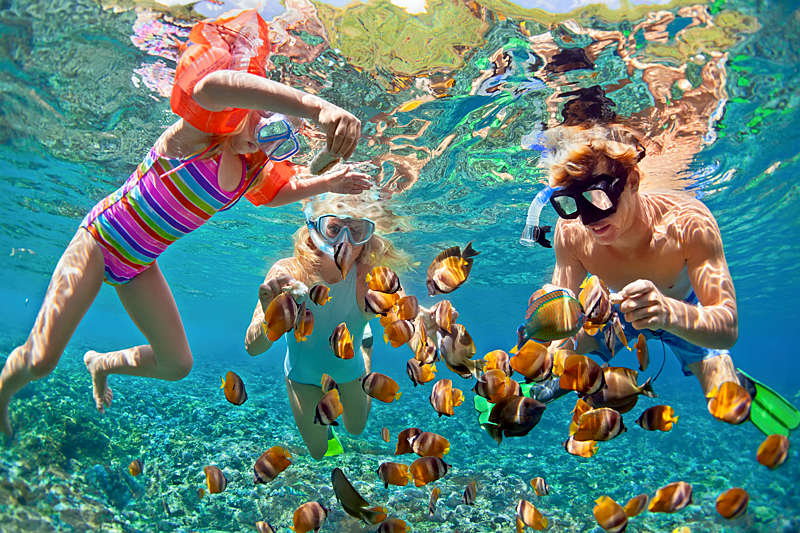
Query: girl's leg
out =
(356, 405)
(73, 287)
(152, 308)
(304, 398)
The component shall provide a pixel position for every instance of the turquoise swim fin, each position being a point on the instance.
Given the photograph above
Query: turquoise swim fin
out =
(334, 446)
(770, 412)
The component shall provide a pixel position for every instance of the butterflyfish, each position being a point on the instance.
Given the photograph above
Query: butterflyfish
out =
(599, 424)
(450, 269)
(264, 527)
(732, 503)
(327, 383)
(135, 468)
(423, 348)
(394, 474)
(773, 451)
(398, 332)
(215, 479)
(385, 435)
(319, 294)
(642, 353)
(457, 349)
(514, 416)
(381, 387)
(610, 515)
(344, 256)
(559, 358)
(352, 502)
(620, 389)
(580, 448)
(420, 374)
(671, 498)
(341, 342)
(580, 407)
(470, 492)
(234, 388)
(379, 303)
(383, 279)
(304, 323)
(392, 525)
(533, 361)
(551, 316)
(657, 417)
(582, 375)
(497, 359)
(329, 407)
(443, 315)
(427, 469)
(494, 385)
(407, 307)
(309, 517)
(427, 444)
(280, 316)
(636, 505)
(595, 299)
(529, 515)
(444, 397)
(435, 493)
(271, 463)
(404, 440)
(540, 486)
(730, 403)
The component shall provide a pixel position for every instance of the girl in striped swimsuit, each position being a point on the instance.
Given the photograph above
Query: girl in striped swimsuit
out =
(187, 176)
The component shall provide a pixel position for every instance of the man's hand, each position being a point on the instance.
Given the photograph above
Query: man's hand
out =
(644, 306)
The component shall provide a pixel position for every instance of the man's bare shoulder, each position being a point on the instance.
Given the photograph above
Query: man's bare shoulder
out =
(569, 232)
(684, 216)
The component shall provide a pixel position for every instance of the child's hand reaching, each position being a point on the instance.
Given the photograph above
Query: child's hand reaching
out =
(272, 288)
(348, 181)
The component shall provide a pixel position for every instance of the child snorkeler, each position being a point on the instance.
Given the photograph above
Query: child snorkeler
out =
(229, 142)
(331, 220)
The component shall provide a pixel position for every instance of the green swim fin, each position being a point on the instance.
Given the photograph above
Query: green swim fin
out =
(770, 412)
(484, 407)
(334, 446)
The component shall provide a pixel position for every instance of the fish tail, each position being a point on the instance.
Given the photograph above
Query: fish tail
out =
(647, 388)
(385, 338)
(223, 382)
(469, 251)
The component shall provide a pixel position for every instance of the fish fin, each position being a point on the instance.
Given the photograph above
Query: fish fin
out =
(397, 396)
(469, 251)
(433, 367)
(453, 251)
(513, 350)
(334, 423)
(647, 388)
(591, 329)
(385, 338)
(223, 382)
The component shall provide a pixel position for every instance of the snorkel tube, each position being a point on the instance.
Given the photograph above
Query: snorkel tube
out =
(533, 233)
(316, 238)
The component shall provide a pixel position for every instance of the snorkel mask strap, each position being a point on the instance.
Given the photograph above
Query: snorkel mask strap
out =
(533, 233)
(316, 238)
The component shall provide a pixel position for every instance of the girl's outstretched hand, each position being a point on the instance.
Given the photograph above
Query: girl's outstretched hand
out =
(342, 128)
(272, 288)
(348, 181)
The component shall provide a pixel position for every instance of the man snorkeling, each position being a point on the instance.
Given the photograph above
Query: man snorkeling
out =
(661, 252)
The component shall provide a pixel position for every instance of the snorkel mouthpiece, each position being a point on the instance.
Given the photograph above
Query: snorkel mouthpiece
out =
(533, 233)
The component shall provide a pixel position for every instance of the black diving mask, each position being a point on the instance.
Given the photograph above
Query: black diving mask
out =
(592, 199)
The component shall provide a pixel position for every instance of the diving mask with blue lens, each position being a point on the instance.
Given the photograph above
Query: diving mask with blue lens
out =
(533, 233)
(329, 230)
(276, 137)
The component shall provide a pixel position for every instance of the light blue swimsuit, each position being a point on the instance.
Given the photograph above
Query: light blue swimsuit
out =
(306, 361)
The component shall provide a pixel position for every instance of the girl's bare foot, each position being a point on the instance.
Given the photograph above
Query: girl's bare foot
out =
(101, 391)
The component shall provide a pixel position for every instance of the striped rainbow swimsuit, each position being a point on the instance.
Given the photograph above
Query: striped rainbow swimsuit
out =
(135, 224)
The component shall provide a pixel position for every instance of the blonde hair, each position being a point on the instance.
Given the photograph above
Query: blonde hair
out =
(378, 251)
(573, 152)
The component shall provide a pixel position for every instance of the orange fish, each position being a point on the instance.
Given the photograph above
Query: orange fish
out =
(271, 463)
(304, 323)
(407, 307)
(435, 493)
(427, 469)
(642, 354)
(529, 515)
(385, 435)
(493, 385)
(450, 269)
(380, 387)
(394, 474)
(403, 440)
(420, 374)
(773, 451)
(383, 279)
(444, 397)
(352, 502)
(580, 408)
(620, 389)
(234, 388)
(329, 407)
(540, 486)
(497, 359)
(614, 332)
(309, 517)
(733, 503)
(514, 416)
(559, 358)
(599, 424)
(344, 256)
(610, 515)
(658, 417)
(457, 349)
(581, 448)
(135, 468)
(280, 316)
(427, 444)
(671, 498)
(470, 493)
(379, 303)
(443, 315)
(319, 294)
(582, 375)
(392, 525)
(341, 342)
(730, 403)
(533, 361)
(215, 479)
(424, 350)
(327, 383)
(636, 505)
(595, 300)
(264, 527)
(398, 332)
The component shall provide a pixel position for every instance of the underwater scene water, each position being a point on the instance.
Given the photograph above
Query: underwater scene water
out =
(453, 95)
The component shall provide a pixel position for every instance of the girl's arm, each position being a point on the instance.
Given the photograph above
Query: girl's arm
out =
(279, 276)
(229, 88)
(343, 181)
